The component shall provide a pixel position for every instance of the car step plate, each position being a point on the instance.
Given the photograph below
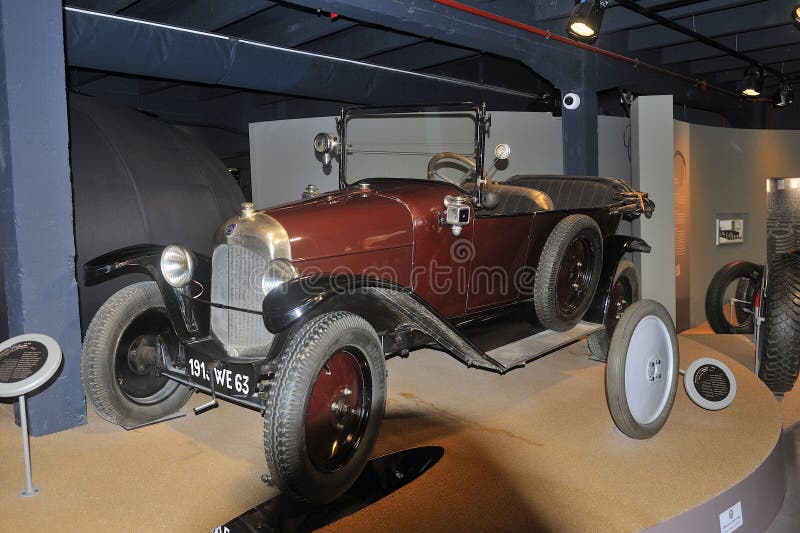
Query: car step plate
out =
(519, 352)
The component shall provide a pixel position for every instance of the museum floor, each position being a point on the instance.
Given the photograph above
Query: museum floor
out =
(532, 450)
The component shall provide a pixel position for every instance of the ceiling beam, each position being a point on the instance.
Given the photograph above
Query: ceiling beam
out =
(744, 42)
(120, 44)
(724, 22)
(617, 19)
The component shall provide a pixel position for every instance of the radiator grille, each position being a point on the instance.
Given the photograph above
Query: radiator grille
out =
(236, 281)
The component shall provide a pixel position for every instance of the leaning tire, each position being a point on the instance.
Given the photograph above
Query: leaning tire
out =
(642, 370)
(747, 277)
(568, 272)
(324, 407)
(624, 291)
(780, 333)
(123, 389)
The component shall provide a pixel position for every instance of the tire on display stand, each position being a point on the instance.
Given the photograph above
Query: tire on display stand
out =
(324, 407)
(778, 338)
(747, 277)
(642, 369)
(568, 272)
(624, 291)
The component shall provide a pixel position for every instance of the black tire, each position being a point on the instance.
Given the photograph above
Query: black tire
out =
(121, 390)
(747, 277)
(626, 349)
(624, 291)
(780, 332)
(328, 347)
(568, 272)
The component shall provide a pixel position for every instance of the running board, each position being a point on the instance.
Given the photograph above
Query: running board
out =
(518, 353)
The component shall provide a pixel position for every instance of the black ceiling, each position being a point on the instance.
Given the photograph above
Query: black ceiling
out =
(760, 29)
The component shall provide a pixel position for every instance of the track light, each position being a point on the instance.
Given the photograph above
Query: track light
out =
(753, 81)
(796, 13)
(585, 20)
(784, 95)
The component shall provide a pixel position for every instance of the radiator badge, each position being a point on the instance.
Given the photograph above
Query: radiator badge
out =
(230, 229)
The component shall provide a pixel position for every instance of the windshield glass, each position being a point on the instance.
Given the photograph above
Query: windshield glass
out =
(401, 145)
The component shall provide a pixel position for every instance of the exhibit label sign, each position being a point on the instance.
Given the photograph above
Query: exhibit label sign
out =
(731, 519)
(710, 384)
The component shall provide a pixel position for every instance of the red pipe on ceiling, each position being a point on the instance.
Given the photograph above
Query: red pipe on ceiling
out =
(583, 46)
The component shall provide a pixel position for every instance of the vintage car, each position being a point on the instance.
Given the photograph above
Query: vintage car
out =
(299, 306)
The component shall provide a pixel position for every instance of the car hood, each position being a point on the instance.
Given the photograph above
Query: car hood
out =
(348, 221)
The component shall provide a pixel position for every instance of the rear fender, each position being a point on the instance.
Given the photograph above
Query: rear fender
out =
(614, 248)
(189, 319)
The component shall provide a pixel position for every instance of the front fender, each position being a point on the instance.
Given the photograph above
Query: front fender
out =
(189, 320)
(614, 248)
(388, 307)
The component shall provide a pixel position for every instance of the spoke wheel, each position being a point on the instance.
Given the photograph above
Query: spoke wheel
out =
(642, 370)
(337, 410)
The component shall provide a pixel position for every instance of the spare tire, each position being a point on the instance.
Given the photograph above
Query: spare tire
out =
(568, 272)
(779, 360)
(747, 277)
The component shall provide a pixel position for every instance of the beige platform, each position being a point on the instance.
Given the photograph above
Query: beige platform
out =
(531, 450)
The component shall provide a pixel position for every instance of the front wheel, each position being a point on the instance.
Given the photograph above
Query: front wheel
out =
(324, 407)
(122, 350)
(642, 370)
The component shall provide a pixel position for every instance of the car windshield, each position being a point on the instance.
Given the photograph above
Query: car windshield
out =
(402, 145)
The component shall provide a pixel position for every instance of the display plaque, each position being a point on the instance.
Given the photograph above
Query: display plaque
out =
(710, 384)
(26, 363)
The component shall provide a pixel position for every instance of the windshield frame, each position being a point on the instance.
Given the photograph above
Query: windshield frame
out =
(482, 122)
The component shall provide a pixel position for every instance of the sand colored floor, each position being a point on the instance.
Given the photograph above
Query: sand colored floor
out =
(532, 450)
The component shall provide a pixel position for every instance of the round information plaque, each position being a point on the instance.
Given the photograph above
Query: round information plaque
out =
(710, 384)
(26, 363)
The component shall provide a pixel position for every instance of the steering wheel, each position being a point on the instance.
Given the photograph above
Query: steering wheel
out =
(433, 171)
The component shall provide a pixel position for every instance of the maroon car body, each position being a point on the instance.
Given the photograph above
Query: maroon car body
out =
(403, 263)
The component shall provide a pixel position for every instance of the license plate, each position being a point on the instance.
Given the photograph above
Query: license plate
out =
(231, 379)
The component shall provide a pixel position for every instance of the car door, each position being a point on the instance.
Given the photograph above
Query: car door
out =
(501, 248)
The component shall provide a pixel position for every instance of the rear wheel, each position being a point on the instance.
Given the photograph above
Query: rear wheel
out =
(738, 282)
(122, 353)
(779, 338)
(624, 291)
(642, 370)
(568, 272)
(324, 407)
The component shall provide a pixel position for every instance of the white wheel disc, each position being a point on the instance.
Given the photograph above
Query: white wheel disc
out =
(649, 369)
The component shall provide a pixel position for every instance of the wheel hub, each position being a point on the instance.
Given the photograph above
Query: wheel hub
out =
(653, 369)
(338, 406)
(143, 353)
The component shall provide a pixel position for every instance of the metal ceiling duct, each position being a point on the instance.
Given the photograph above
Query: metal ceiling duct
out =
(138, 180)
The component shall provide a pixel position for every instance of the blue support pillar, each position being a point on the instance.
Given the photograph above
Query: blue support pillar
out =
(36, 226)
(579, 126)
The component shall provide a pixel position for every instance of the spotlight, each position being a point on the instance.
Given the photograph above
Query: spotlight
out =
(796, 13)
(584, 22)
(784, 95)
(753, 81)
